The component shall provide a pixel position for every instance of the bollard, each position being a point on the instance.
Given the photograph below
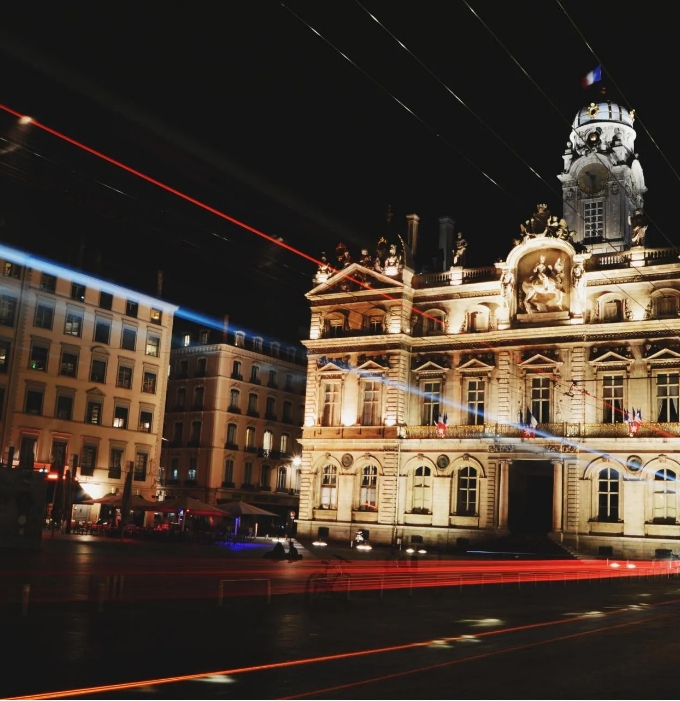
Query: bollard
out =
(25, 593)
(101, 594)
(220, 595)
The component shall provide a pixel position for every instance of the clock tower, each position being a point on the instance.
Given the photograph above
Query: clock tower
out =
(602, 180)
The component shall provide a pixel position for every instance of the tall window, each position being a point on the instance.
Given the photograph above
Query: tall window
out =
(27, 452)
(667, 386)
(368, 490)
(329, 487)
(181, 398)
(330, 414)
(270, 412)
(608, 495)
(370, 411)
(234, 400)
(48, 283)
(77, 291)
(38, 357)
(433, 323)
(664, 496)
(5, 347)
(199, 397)
(88, 459)
(422, 490)
(612, 310)
(236, 370)
(128, 340)
(64, 406)
(475, 402)
(195, 432)
(98, 371)
(431, 402)
(93, 414)
(124, 378)
(231, 435)
(116, 463)
(336, 326)
(149, 382)
(281, 479)
(105, 300)
(267, 443)
(141, 462)
(612, 397)
(102, 331)
(466, 502)
(228, 472)
(257, 344)
(284, 444)
(593, 217)
(265, 478)
(156, 316)
(34, 401)
(540, 399)
(177, 431)
(73, 324)
(250, 437)
(120, 416)
(201, 367)
(145, 420)
(287, 417)
(248, 473)
(289, 383)
(44, 316)
(666, 306)
(272, 379)
(8, 310)
(239, 339)
(153, 344)
(131, 308)
(252, 404)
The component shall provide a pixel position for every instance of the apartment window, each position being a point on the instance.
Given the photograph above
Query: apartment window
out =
(8, 310)
(376, 323)
(141, 462)
(12, 270)
(271, 408)
(128, 339)
(329, 487)
(73, 324)
(124, 378)
(284, 444)
(156, 316)
(288, 413)
(431, 402)
(98, 371)
(68, 367)
(298, 481)
(44, 316)
(48, 283)
(153, 345)
(257, 345)
(93, 415)
(370, 407)
(38, 358)
(186, 340)
(289, 383)
(272, 379)
(199, 397)
(229, 472)
(78, 292)
(593, 218)
(88, 459)
(255, 374)
(27, 452)
(274, 349)
(248, 473)
(145, 420)
(250, 437)
(231, 435)
(664, 497)
(149, 382)
(336, 326)
(115, 463)
(195, 432)
(267, 443)
(234, 400)
(205, 335)
(181, 399)
(467, 492)
(540, 399)
(102, 331)
(105, 300)
(64, 407)
(183, 369)
(192, 471)
(281, 479)
(252, 404)
(266, 477)
(475, 402)
(174, 469)
(330, 411)
(368, 489)
(120, 416)
(239, 339)
(236, 370)
(291, 354)
(5, 347)
(422, 490)
(131, 309)
(34, 401)
(667, 394)
(612, 399)
(608, 495)
(177, 431)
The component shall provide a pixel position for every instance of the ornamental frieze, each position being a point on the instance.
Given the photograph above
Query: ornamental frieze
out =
(521, 448)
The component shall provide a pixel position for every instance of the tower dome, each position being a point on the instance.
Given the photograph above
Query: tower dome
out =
(604, 111)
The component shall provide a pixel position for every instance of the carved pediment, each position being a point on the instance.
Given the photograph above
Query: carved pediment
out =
(370, 366)
(610, 358)
(471, 362)
(325, 364)
(539, 361)
(433, 361)
(430, 368)
(95, 392)
(657, 355)
(355, 278)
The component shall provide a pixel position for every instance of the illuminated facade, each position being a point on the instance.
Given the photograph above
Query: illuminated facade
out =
(537, 396)
(233, 419)
(83, 375)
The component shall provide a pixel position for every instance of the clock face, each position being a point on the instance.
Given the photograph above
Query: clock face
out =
(593, 178)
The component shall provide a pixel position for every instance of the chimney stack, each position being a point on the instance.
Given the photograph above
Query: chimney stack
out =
(412, 232)
(446, 226)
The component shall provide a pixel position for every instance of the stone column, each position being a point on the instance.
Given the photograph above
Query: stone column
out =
(557, 496)
(503, 491)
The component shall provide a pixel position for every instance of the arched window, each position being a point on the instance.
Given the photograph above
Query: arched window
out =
(666, 306)
(329, 487)
(422, 491)
(664, 496)
(608, 495)
(252, 405)
(267, 443)
(433, 322)
(368, 491)
(235, 400)
(231, 436)
(467, 492)
(335, 325)
(250, 438)
(281, 480)
(236, 370)
(374, 322)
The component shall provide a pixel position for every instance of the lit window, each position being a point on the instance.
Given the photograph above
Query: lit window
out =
(431, 402)
(153, 345)
(370, 412)
(38, 357)
(329, 487)
(667, 396)
(141, 462)
(368, 489)
(145, 420)
(186, 340)
(250, 437)
(330, 410)
(120, 416)
(78, 292)
(593, 217)
(73, 324)
(608, 495)
(612, 399)
(422, 491)
(12, 270)
(540, 399)
(239, 339)
(475, 402)
(281, 479)
(156, 316)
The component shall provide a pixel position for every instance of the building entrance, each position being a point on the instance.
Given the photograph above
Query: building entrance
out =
(530, 497)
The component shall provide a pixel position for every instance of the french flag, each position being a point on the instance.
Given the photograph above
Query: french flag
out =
(594, 76)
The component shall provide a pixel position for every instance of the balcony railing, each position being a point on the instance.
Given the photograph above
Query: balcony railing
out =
(231, 446)
(236, 376)
(228, 485)
(270, 417)
(234, 409)
(252, 412)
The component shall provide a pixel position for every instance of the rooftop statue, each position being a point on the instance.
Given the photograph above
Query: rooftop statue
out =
(459, 250)
(638, 228)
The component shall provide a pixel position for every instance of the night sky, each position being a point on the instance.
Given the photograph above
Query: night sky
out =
(242, 106)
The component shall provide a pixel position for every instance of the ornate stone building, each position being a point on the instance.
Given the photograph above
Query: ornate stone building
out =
(539, 396)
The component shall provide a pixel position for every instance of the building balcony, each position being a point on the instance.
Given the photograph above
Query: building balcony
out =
(228, 485)
(350, 432)
(254, 414)
(270, 417)
(231, 446)
(255, 381)
(191, 483)
(272, 385)
(234, 409)
(236, 376)
(251, 449)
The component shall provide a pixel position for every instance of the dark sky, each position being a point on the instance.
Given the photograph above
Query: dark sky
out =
(245, 108)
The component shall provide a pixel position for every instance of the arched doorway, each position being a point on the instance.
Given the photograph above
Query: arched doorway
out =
(530, 497)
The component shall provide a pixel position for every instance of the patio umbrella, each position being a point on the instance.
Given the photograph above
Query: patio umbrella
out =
(137, 503)
(241, 508)
(184, 503)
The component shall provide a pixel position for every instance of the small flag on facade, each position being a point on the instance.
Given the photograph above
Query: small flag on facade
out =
(595, 76)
